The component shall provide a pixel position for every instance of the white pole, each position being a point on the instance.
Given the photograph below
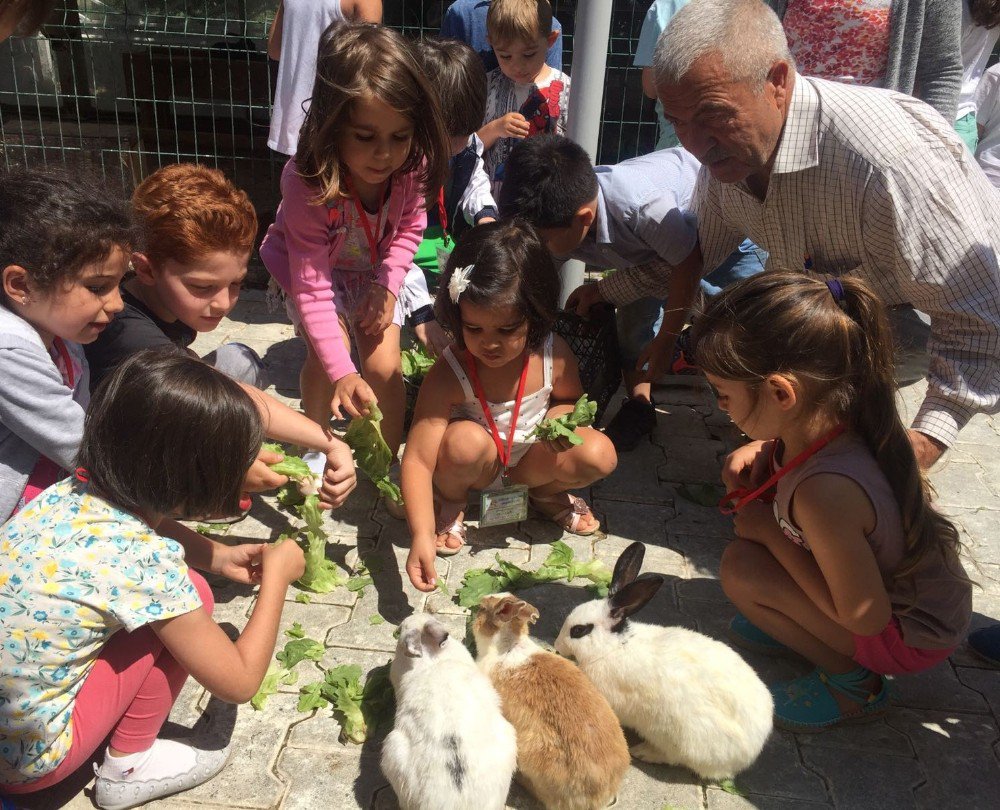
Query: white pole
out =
(590, 60)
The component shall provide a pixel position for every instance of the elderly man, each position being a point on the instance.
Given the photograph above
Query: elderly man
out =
(836, 179)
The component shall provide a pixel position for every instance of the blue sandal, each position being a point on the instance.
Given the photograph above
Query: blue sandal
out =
(749, 636)
(807, 704)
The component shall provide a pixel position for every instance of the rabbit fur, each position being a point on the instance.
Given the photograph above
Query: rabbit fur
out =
(450, 747)
(693, 700)
(571, 751)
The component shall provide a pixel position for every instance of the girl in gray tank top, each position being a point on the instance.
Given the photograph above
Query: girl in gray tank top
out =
(839, 554)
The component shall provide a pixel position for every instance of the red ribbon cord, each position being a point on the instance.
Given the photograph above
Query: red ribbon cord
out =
(732, 502)
(502, 452)
(379, 224)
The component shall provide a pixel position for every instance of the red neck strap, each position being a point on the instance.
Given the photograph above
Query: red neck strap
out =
(67, 362)
(442, 213)
(370, 235)
(503, 453)
(732, 502)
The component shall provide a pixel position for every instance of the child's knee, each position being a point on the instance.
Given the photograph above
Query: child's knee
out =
(597, 455)
(736, 569)
(204, 590)
(466, 444)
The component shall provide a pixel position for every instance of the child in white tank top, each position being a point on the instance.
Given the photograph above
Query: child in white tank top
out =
(498, 300)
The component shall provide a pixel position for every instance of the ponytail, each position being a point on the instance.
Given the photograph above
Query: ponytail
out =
(875, 418)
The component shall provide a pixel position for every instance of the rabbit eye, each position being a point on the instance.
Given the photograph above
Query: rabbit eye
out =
(580, 630)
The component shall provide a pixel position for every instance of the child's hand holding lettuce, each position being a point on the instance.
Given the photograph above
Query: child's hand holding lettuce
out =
(564, 426)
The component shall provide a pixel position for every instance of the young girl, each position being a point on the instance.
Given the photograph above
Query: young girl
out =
(103, 621)
(851, 566)
(352, 213)
(498, 300)
(63, 251)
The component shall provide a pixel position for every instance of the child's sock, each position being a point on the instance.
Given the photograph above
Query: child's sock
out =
(165, 759)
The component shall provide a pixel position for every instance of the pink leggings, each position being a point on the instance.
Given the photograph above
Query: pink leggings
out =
(128, 693)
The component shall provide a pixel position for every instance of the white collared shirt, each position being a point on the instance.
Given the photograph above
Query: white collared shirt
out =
(878, 184)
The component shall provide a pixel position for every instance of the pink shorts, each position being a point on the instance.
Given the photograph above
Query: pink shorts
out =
(888, 654)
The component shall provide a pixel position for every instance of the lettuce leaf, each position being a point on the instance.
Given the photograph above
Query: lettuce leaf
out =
(582, 415)
(372, 454)
(416, 363)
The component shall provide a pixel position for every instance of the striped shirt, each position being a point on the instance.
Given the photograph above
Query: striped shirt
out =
(877, 184)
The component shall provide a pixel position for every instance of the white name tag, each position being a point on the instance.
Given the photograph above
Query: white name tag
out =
(507, 505)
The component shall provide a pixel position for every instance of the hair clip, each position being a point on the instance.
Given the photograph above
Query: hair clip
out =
(459, 281)
(837, 291)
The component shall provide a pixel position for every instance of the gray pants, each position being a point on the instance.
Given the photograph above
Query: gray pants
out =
(239, 361)
(911, 330)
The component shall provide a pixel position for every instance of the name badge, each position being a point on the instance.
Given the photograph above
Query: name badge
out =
(507, 505)
(443, 254)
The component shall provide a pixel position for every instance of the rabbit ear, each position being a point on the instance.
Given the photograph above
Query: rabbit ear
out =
(435, 633)
(527, 613)
(634, 595)
(508, 608)
(627, 567)
(411, 644)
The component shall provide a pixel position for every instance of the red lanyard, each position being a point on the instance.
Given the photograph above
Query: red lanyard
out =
(379, 224)
(503, 453)
(69, 377)
(732, 502)
(442, 213)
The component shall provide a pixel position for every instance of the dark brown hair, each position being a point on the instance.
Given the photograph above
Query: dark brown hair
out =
(510, 267)
(167, 434)
(54, 224)
(840, 356)
(985, 13)
(456, 72)
(361, 60)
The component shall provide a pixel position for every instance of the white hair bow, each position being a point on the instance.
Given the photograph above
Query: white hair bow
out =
(459, 282)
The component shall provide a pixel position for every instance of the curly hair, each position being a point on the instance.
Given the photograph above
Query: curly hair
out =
(187, 211)
(53, 224)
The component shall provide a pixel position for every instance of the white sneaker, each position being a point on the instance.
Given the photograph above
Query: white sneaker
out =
(113, 794)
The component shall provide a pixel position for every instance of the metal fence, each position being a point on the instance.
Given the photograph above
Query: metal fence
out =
(131, 85)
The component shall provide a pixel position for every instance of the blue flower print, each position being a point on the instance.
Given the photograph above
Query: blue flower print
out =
(60, 673)
(154, 609)
(40, 616)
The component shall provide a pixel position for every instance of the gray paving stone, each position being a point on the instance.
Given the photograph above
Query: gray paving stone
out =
(939, 689)
(657, 786)
(332, 780)
(636, 481)
(986, 681)
(981, 531)
(635, 521)
(674, 420)
(690, 460)
(877, 737)
(779, 772)
(702, 552)
(961, 485)
(955, 754)
(868, 782)
(692, 518)
(721, 800)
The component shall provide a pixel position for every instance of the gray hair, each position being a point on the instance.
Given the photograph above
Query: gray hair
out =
(746, 33)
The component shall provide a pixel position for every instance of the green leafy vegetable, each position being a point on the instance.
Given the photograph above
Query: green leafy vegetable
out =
(302, 480)
(300, 649)
(295, 651)
(213, 528)
(375, 620)
(372, 454)
(565, 426)
(303, 597)
(360, 710)
(506, 576)
(729, 786)
(295, 631)
(416, 363)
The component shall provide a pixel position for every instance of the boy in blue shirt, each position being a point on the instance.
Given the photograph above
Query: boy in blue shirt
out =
(631, 216)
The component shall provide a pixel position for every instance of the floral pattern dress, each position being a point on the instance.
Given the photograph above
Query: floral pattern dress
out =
(842, 40)
(75, 570)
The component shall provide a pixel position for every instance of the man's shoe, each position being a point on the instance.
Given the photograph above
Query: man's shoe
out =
(636, 418)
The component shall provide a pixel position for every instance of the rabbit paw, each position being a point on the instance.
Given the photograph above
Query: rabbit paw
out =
(649, 753)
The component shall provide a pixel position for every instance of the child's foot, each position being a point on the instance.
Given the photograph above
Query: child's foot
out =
(450, 528)
(822, 699)
(167, 767)
(568, 512)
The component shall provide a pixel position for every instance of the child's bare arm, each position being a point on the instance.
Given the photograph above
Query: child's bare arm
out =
(438, 393)
(511, 125)
(566, 385)
(233, 671)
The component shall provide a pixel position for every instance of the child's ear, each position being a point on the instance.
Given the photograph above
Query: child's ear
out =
(15, 284)
(782, 391)
(586, 215)
(143, 269)
(551, 38)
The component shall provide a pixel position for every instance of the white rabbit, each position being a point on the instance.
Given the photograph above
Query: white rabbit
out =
(694, 701)
(450, 747)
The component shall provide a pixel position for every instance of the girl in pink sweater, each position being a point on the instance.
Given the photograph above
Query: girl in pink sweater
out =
(372, 149)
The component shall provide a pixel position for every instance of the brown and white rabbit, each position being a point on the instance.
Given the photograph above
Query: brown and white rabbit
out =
(571, 752)
(694, 700)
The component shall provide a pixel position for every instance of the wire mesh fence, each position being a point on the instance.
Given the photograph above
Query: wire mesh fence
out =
(127, 86)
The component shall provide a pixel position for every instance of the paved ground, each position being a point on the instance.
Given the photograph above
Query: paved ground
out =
(938, 747)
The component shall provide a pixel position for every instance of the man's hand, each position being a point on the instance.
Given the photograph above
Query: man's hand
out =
(583, 298)
(239, 563)
(746, 467)
(926, 449)
(420, 565)
(376, 310)
(354, 394)
(339, 477)
(260, 477)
